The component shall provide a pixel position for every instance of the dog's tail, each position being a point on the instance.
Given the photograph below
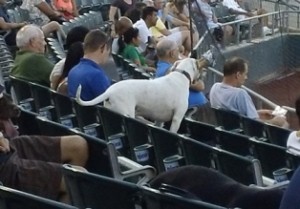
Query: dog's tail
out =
(92, 102)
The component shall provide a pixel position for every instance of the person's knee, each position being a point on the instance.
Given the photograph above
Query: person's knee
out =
(74, 146)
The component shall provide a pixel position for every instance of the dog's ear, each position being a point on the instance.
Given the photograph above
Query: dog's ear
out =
(201, 63)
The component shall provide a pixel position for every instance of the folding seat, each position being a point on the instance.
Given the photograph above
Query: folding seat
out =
(253, 128)
(88, 120)
(229, 120)
(141, 149)
(234, 142)
(21, 93)
(43, 101)
(64, 109)
(246, 170)
(272, 157)
(27, 123)
(114, 131)
(277, 135)
(167, 148)
(172, 198)
(198, 153)
(88, 190)
(201, 131)
(15, 199)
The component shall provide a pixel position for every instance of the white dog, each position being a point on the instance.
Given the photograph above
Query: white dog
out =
(162, 99)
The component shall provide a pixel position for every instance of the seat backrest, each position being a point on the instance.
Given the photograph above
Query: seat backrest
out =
(234, 142)
(277, 135)
(272, 157)
(15, 199)
(201, 131)
(166, 145)
(252, 127)
(137, 132)
(113, 127)
(198, 153)
(229, 120)
(154, 199)
(88, 190)
(245, 170)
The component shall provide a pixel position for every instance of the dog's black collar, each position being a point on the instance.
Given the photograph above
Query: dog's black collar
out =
(186, 75)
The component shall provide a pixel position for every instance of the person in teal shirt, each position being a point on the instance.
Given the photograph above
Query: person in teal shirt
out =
(128, 44)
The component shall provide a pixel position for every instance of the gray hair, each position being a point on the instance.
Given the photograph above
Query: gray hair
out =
(26, 33)
(164, 46)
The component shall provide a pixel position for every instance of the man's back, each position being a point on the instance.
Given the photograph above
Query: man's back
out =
(232, 98)
(92, 78)
(32, 67)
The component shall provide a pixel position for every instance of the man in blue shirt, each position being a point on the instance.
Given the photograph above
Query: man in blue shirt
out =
(87, 72)
(168, 52)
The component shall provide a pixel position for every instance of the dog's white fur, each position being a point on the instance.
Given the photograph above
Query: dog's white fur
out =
(162, 99)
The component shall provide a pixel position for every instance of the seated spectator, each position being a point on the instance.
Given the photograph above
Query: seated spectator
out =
(127, 48)
(122, 6)
(6, 25)
(68, 8)
(211, 21)
(41, 13)
(88, 73)
(177, 16)
(76, 34)
(121, 26)
(30, 62)
(235, 8)
(151, 26)
(229, 95)
(293, 142)
(75, 53)
(167, 52)
(34, 163)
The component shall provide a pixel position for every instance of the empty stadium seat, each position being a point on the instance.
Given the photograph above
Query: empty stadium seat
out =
(254, 128)
(154, 199)
(229, 120)
(113, 127)
(198, 153)
(15, 199)
(167, 148)
(201, 131)
(88, 190)
(277, 135)
(246, 170)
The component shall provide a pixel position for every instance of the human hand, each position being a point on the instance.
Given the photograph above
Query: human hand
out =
(4, 144)
(265, 114)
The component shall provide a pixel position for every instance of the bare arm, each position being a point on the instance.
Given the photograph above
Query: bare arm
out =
(197, 85)
(7, 26)
(47, 10)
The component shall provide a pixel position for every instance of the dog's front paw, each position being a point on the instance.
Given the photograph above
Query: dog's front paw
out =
(210, 56)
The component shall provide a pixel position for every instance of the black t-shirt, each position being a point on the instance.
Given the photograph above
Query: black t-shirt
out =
(123, 6)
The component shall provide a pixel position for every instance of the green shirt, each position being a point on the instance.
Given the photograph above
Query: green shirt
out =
(131, 53)
(33, 67)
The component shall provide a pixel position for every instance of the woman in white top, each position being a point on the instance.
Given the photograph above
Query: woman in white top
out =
(293, 142)
(76, 34)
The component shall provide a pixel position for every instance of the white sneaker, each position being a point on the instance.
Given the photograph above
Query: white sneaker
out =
(267, 31)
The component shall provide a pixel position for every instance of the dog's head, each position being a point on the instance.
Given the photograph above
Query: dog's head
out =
(193, 67)
(8, 109)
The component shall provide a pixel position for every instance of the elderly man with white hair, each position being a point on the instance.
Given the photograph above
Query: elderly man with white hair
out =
(30, 62)
(168, 53)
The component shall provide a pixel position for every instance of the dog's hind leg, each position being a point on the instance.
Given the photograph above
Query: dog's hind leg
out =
(176, 121)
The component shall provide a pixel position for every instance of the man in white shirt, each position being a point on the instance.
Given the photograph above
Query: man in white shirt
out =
(235, 8)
